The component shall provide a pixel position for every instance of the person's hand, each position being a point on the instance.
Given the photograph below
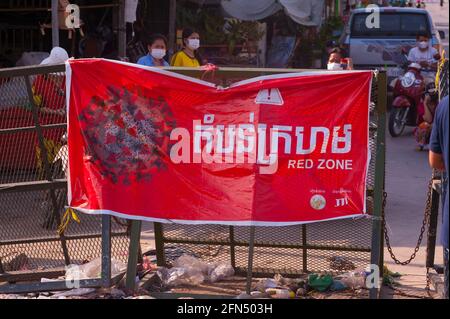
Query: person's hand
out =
(423, 64)
(349, 64)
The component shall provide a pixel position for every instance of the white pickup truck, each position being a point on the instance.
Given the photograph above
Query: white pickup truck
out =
(381, 48)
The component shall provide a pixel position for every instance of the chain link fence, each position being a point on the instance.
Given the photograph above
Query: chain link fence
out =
(33, 190)
(33, 187)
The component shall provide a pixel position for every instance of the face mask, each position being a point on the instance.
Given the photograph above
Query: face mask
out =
(334, 66)
(194, 44)
(423, 44)
(158, 53)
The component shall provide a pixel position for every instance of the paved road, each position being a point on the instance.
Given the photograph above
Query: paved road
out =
(407, 176)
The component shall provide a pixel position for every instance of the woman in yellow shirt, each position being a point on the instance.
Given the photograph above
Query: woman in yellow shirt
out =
(188, 56)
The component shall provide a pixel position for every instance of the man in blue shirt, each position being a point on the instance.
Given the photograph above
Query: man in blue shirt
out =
(157, 49)
(439, 159)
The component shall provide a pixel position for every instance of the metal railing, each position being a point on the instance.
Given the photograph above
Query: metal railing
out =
(335, 246)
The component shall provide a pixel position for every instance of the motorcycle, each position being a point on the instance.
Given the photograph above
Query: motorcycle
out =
(408, 94)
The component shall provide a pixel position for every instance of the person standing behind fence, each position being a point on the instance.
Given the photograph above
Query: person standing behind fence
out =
(157, 49)
(439, 159)
(49, 89)
(188, 56)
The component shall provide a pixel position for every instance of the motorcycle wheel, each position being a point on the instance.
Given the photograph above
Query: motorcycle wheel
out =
(397, 121)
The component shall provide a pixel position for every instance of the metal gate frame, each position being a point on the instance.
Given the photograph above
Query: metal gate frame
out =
(29, 278)
(377, 249)
(442, 81)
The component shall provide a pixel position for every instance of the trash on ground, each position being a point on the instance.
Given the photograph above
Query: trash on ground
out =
(278, 293)
(321, 282)
(338, 285)
(74, 292)
(263, 284)
(354, 279)
(341, 263)
(189, 270)
(389, 277)
(93, 269)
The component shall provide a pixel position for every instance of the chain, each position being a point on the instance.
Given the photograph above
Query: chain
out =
(427, 286)
(425, 222)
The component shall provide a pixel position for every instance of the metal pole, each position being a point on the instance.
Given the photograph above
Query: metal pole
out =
(106, 251)
(376, 250)
(159, 243)
(55, 23)
(432, 228)
(305, 250)
(337, 8)
(251, 251)
(133, 254)
(232, 248)
(121, 32)
(172, 26)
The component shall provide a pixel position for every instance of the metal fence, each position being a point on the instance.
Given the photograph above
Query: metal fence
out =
(334, 246)
(33, 187)
(442, 78)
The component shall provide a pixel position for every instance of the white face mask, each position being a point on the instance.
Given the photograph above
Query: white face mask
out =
(194, 44)
(334, 66)
(423, 44)
(158, 53)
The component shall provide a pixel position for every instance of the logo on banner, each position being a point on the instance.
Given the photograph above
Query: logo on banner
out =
(340, 202)
(269, 96)
(318, 202)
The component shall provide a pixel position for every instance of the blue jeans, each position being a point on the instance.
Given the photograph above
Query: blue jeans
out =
(446, 255)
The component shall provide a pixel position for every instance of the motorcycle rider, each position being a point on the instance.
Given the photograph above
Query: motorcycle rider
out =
(426, 56)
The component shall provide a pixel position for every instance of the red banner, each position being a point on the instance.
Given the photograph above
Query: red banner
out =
(276, 150)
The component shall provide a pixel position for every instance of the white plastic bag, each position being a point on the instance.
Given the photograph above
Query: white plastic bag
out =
(93, 269)
(354, 279)
(179, 276)
(189, 270)
(263, 284)
(186, 261)
(221, 271)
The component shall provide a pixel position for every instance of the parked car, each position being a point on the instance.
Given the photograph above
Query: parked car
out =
(381, 48)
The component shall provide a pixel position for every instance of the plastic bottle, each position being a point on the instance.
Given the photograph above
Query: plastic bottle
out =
(277, 293)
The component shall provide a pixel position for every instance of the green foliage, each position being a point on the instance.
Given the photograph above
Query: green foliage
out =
(239, 32)
(326, 31)
(214, 29)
